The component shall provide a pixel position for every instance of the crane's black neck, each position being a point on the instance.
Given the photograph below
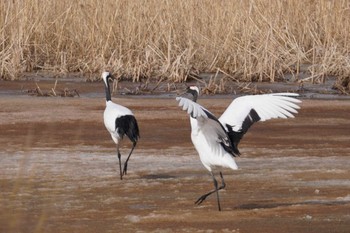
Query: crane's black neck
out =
(107, 89)
(194, 94)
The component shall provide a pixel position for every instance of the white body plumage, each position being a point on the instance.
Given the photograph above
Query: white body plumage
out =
(210, 152)
(111, 113)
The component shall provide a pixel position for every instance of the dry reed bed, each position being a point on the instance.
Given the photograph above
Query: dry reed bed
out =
(163, 39)
(66, 92)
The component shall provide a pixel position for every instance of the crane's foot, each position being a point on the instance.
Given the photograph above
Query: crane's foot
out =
(202, 198)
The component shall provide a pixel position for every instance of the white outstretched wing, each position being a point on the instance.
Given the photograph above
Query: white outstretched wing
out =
(210, 126)
(267, 106)
(206, 120)
(192, 108)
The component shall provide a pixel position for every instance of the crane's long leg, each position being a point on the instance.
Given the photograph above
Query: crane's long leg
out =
(127, 160)
(120, 163)
(223, 185)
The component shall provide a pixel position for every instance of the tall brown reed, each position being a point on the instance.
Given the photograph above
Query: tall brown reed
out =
(250, 40)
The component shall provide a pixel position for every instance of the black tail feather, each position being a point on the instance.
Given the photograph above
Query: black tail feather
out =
(127, 125)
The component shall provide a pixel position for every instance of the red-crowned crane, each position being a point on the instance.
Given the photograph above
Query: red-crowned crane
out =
(119, 121)
(216, 140)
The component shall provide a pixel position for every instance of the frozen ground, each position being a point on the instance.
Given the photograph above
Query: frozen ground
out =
(59, 173)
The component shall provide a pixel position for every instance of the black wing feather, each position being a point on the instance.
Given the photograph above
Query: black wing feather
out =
(236, 137)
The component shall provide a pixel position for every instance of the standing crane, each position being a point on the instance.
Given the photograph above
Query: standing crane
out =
(119, 121)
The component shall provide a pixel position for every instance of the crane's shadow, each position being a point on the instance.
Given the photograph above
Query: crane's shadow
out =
(252, 206)
(157, 176)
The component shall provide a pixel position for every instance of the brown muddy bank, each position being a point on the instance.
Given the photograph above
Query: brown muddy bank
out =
(59, 170)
